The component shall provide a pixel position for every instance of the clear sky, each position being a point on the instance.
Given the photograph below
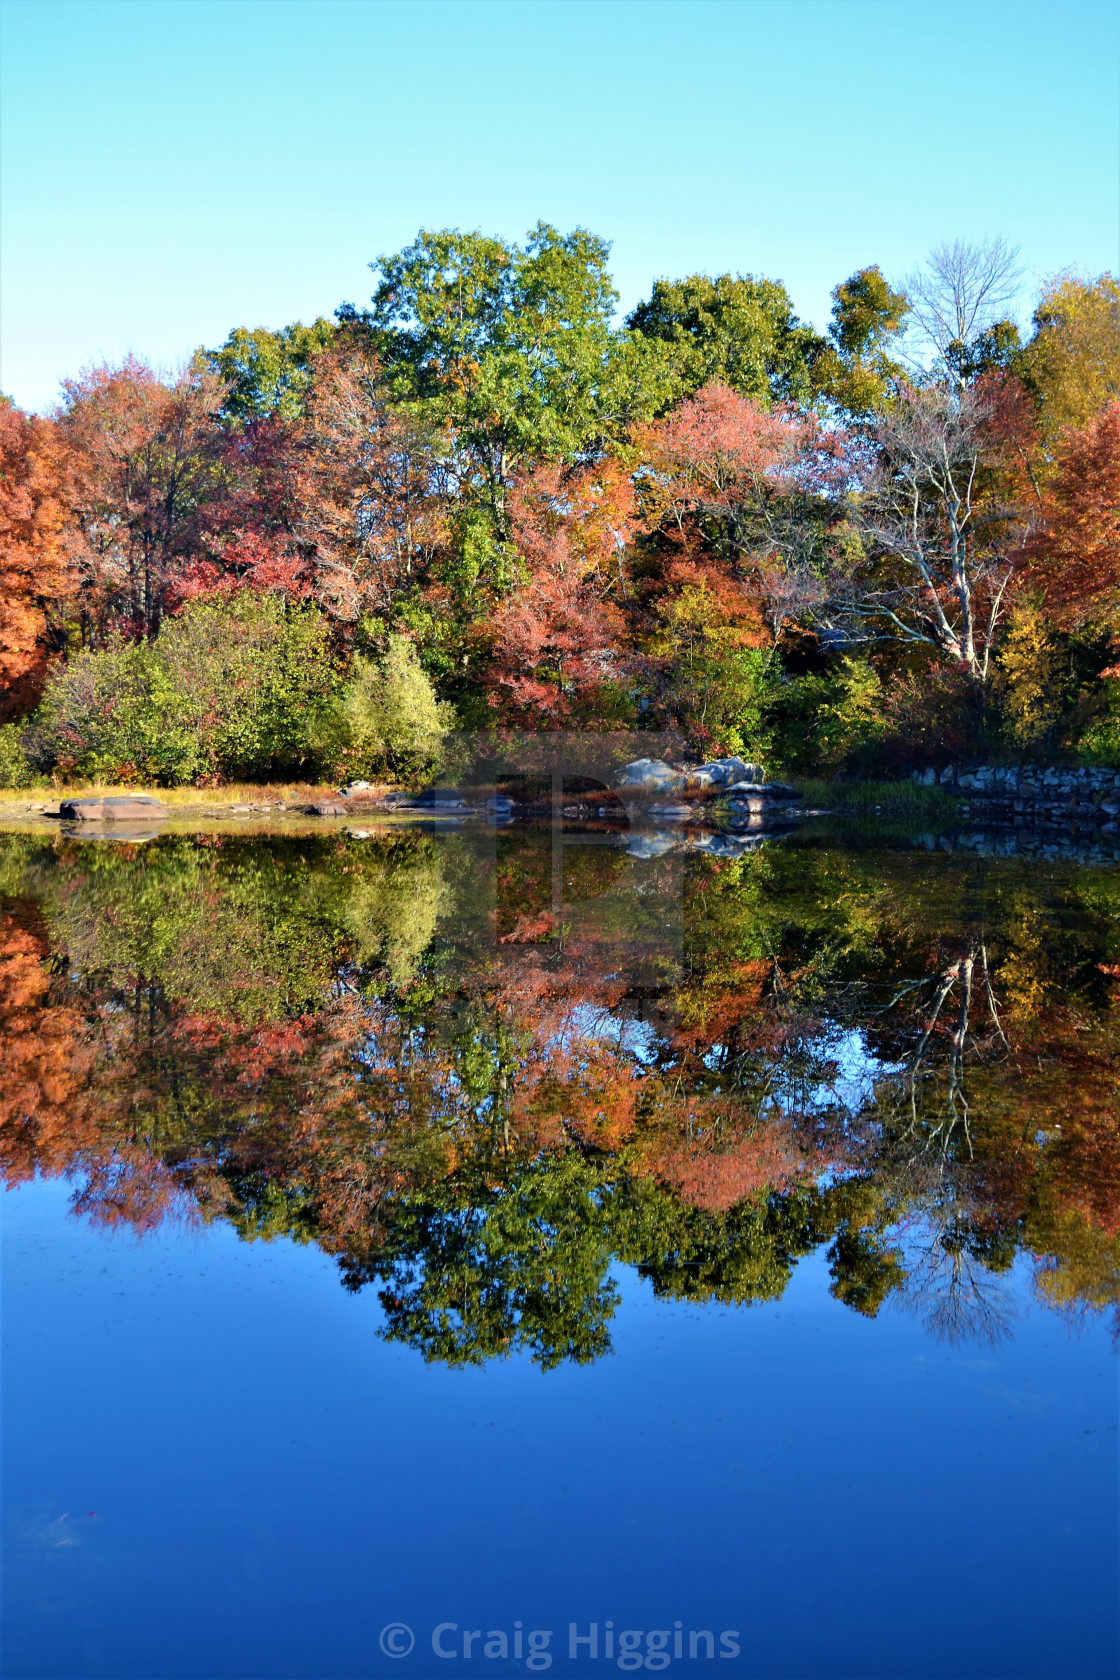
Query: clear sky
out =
(173, 168)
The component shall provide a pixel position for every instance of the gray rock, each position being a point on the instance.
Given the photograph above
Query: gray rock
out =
(326, 808)
(745, 792)
(650, 775)
(112, 808)
(722, 772)
(673, 813)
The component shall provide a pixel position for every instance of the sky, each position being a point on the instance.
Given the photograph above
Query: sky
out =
(170, 169)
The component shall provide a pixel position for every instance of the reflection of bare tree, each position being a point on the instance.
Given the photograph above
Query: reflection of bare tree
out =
(926, 1152)
(960, 1037)
(954, 1291)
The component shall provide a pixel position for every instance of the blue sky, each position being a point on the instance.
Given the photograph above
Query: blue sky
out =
(172, 168)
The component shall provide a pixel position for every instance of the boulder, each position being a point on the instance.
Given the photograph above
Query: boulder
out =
(327, 808)
(112, 808)
(649, 775)
(762, 790)
(440, 799)
(673, 813)
(722, 772)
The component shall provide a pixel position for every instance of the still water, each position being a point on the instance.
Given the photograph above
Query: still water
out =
(458, 1252)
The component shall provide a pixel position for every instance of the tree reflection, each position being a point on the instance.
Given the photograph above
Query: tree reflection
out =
(910, 1063)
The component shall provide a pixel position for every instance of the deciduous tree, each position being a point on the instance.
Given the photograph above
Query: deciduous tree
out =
(144, 457)
(36, 574)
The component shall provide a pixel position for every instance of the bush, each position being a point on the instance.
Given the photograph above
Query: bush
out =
(239, 687)
(832, 721)
(389, 718)
(16, 769)
(1100, 744)
(113, 715)
(254, 679)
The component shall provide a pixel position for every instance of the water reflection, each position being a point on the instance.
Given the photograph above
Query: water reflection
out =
(478, 1068)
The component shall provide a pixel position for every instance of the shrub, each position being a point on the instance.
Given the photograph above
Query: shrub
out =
(16, 769)
(1100, 744)
(254, 679)
(389, 717)
(234, 687)
(113, 715)
(831, 721)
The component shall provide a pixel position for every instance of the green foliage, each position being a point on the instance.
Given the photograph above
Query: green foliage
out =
(513, 346)
(719, 693)
(115, 715)
(232, 687)
(738, 330)
(16, 768)
(268, 374)
(388, 717)
(1100, 743)
(855, 370)
(253, 679)
(830, 721)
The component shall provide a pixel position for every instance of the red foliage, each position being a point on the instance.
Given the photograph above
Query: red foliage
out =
(1075, 551)
(35, 571)
(143, 457)
(559, 639)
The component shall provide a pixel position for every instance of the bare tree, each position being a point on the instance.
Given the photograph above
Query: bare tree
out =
(961, 292)
(939, 539)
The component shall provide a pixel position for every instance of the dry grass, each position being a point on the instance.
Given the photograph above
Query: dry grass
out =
(184, 798)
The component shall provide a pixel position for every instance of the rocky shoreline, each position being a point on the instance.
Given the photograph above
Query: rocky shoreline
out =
(1050, 799)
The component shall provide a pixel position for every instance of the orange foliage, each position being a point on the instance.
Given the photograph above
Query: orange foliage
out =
(1075, 551)
(45, 1055)
(35, 571)
(559, 638)
(714, 1174)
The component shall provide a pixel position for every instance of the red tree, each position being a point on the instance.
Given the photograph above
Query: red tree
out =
(1075, 550)
(35, 571)
(559, 639)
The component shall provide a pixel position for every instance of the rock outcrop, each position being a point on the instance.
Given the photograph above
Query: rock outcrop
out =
(131, 807)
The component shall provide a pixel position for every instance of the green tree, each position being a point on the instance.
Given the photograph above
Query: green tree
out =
(267, 374)
(856, 369)
(738, 330)
(512, 348)
(389, 717)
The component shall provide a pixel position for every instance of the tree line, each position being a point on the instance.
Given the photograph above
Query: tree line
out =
(480, 501)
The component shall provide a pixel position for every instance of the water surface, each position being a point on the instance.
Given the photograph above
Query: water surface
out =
(487, 1233)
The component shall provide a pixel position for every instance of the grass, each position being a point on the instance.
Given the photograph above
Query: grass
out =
(230, 793)
(888, 801)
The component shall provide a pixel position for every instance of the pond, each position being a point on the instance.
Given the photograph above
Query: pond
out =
(441, 1249)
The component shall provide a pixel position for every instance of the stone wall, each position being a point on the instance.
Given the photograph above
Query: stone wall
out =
(1034, 796)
